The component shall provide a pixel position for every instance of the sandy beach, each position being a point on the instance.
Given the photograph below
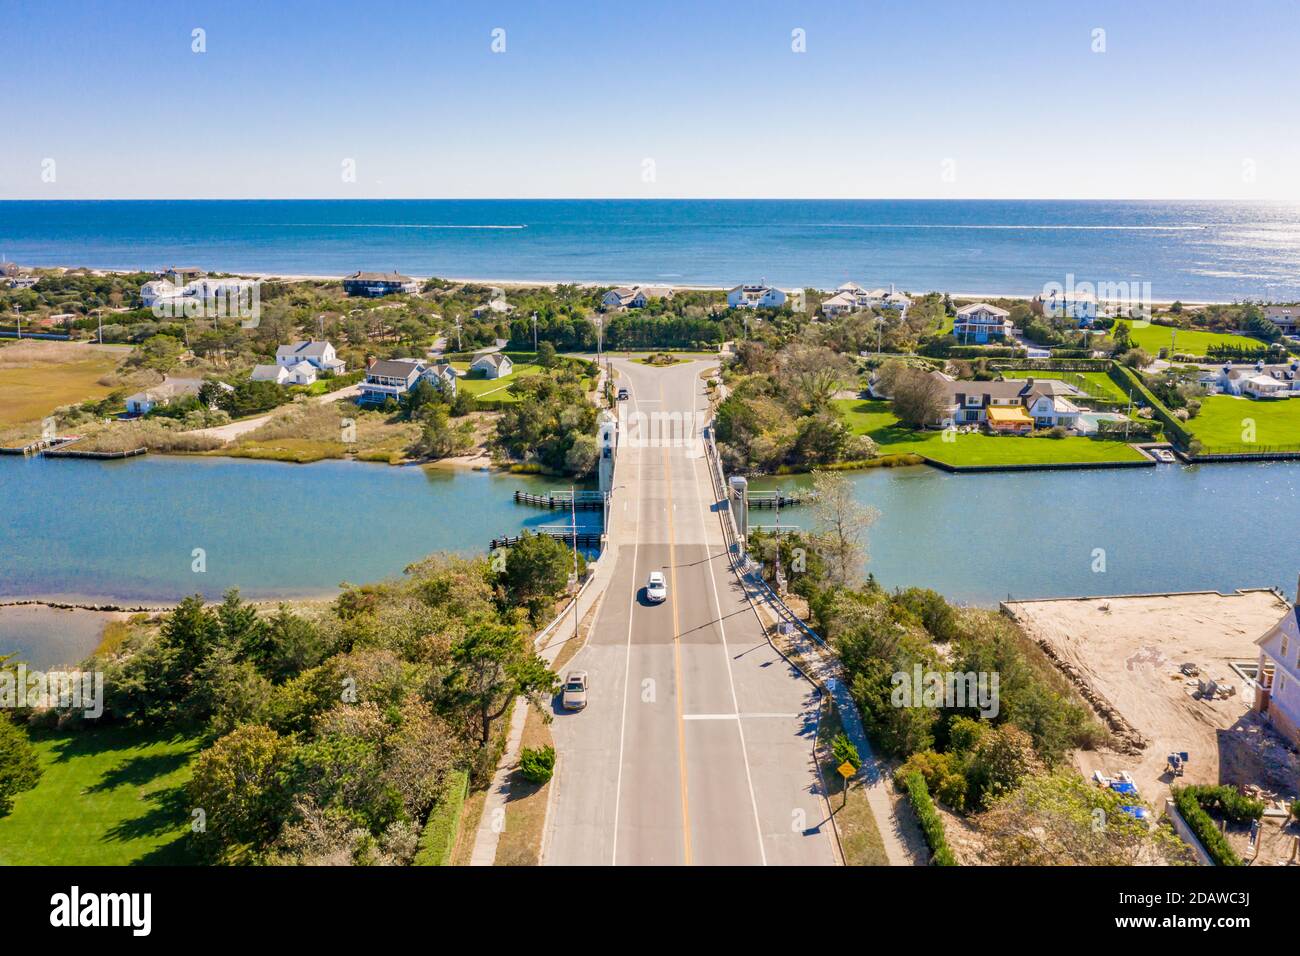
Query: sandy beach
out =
(506, 283)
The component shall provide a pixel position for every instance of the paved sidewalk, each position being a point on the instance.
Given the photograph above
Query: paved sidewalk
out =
(549, 643)
(901, 844)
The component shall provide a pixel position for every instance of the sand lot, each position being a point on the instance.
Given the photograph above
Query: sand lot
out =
(1125, 652)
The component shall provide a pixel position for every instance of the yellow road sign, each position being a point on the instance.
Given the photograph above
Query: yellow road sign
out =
(846, 770)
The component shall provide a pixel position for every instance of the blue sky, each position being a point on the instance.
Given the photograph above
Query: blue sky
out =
(1191, 99)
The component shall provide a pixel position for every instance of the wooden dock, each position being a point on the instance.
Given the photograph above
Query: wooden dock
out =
(586, 538)
(562, 500)
(42, 446)
(772, 499)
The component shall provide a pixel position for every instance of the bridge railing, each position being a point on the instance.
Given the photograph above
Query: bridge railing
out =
(738, 551)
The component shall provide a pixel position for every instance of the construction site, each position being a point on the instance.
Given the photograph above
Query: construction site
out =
(1173, 678)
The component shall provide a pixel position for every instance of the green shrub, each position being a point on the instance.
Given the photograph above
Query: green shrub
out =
(931, 822)
(842, 748)
(537, 763)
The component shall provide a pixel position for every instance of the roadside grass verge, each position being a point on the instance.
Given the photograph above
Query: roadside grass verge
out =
(521, 837)
(873, 417)
(107, 797)
(860, 836)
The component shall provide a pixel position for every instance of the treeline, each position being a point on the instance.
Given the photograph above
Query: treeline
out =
(982, 723)
(553, 423)
(329, 737)
(778, 411)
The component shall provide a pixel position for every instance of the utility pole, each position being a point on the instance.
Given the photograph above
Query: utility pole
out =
(458, 345)
(1128, 420)
(18, 321)
(534, 332)
(599, 330)
(99, 314)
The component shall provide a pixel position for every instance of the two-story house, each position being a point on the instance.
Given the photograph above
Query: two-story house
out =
(375, 284)
(389, 378)
(755, 297)
(633, 297)
(980, 323)
(319, 354)
(1285, 317)
(840, 303)
(1077, 306)
(1012, 406)
(1277, 690)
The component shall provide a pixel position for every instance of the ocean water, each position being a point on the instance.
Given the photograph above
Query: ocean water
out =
(1206, 251)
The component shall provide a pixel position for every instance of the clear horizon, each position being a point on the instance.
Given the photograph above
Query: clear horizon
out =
(1172, 102)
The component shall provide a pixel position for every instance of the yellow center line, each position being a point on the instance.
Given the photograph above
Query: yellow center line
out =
(677, 657)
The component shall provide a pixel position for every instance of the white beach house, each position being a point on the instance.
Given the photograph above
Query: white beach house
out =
(493, 365)
(318, 354)
(1277, 690)
(755, 297)
(980, 323)
(301, 373)
(1070, 305)
(142, 403)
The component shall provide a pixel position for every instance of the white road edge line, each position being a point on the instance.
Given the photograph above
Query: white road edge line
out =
(722, 631)
(627, 662)
(737, 716)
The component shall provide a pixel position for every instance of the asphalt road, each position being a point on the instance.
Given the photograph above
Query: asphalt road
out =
(696, 744)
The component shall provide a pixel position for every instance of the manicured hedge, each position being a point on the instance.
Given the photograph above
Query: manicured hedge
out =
(1237, 807)
(919, 796)
(1127, 379)
(1191, 803)
(439, 834)
(941, 349)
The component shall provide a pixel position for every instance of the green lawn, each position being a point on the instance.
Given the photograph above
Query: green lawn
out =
(108, 797)
(495, 388)
(874, 418)
(1153, 338)
(1096, 384)
(1224, 420)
